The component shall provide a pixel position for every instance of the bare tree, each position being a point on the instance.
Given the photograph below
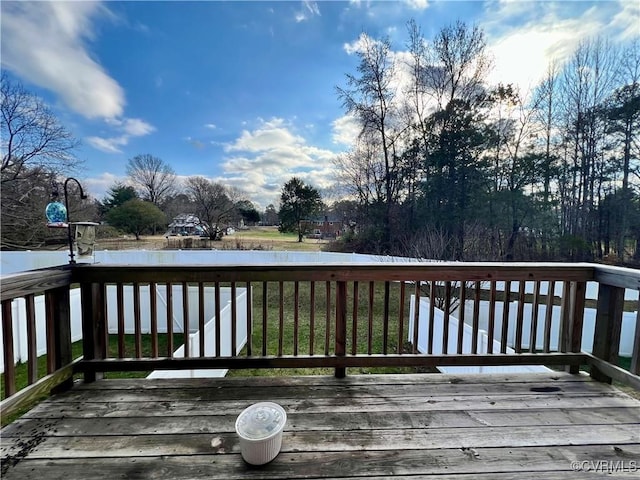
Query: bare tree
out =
(214, 204)
(155, 179)
(459, 63)
(371, 97)
(33, 141)
(35, 149)
(587, 80)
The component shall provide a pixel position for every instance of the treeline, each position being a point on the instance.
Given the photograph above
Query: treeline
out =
(447, 166)
(153, 197)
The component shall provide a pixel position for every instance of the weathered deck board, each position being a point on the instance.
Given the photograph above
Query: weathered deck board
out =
(417, 426)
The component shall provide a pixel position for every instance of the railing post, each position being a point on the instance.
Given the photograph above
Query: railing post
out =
(606, 338)
(577, 320)
(341, 325)
(93, 325)
(9, 358)
(57, 304)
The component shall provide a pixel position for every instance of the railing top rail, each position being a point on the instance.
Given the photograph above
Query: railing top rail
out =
(34, 281)
(376, 271)
(618, 276)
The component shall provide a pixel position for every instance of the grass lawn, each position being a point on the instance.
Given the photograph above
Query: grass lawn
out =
(255, 238)
(319, 337)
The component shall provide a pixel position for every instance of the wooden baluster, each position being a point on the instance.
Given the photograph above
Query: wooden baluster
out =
(354, 333)
(281, 318)
(491, 328)
(565, 318)
(137, 319)
(218, 319)
(50, 327)
(505, 317)
(9, 356)
(401, 318)
(463, 299)
(296, 316)
(370, 319)
(153, 307)
(121, 323)
(169, 297)
(416, 317)
(579, 290)
(105, 329)
(535, 308)
(201, 320)
(476, 319)
(548, 316)
(234, 319)
(635, 356)
(341, 326)
(385, 319)
(327, 326)
(249, 294)
(264, 318)
(520, 317)
(312, 316)
(446, 319)
(432, 319)
(186, 328)
(32, 347)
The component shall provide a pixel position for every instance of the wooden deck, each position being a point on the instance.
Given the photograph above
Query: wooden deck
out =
(377, 426)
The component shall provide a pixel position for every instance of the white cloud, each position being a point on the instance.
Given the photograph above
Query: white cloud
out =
(627, 21)
(108, 145)
(210, 126)
(127, 128)
(346, 130)
(45, 43)
(417, 4)
(270, 135)
(312, 7)
(98, 186)
(358, 45)
(309, 10)
(263, 159)
(522, 49)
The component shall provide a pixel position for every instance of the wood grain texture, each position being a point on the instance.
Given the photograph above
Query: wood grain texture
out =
(376, 426)
(437, 271)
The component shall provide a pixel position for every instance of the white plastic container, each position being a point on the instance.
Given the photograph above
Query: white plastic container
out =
(260, 429)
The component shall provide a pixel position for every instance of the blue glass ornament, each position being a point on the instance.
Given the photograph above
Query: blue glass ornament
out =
(56, 213)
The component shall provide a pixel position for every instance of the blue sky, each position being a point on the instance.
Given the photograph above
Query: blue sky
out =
(244, 92)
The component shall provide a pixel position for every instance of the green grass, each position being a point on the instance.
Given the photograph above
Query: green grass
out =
(21, 368)
(319, 331)
(266, 234)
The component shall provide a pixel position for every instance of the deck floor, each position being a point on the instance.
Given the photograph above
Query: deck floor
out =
(376, 426)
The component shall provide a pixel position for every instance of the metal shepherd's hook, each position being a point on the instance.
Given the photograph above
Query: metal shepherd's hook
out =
(66, 204)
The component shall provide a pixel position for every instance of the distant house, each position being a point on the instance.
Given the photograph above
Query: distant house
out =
(327, 228)
(185, 224)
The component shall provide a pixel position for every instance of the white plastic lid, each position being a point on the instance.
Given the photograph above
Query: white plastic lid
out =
(261, 420)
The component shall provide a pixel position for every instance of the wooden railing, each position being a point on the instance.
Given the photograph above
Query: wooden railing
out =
(54, 285)
(307, 316)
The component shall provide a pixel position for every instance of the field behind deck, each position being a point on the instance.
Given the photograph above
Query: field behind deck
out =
(254, 238)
